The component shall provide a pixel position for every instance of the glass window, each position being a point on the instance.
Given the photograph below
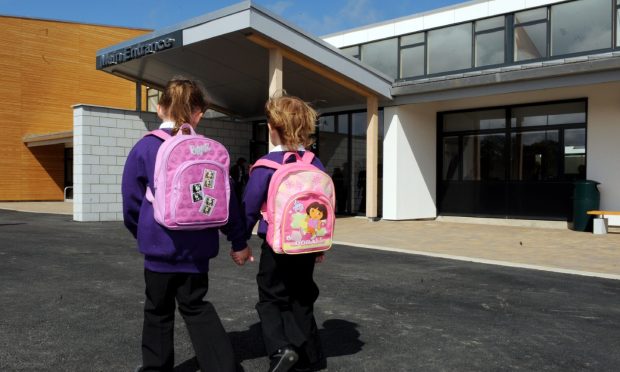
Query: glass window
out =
(474, 120)
(490, 23)
(327, 123)
(353, 51)
(554, 114)
(579, 26)
(152, 99)
(483, 157)
(358, 120)
(412, 39)
(530, 41)
(490, 48)
(448, 48)
(412, 61)
(575, 153)
(539, 14)
(343, 124)
(450, 158)
(382, 55)
(535, 156)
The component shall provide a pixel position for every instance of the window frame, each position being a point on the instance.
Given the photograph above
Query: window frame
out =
(411, 46)
(489, 31)
(516, 25)
(508, 131)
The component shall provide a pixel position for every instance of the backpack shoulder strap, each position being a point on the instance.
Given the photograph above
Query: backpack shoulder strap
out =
(159, 133)
(265, 163)
(308, 157)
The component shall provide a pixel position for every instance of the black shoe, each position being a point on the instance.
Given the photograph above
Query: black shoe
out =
(283, 360)
(309, 367)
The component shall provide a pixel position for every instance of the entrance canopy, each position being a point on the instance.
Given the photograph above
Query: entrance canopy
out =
(229, 51)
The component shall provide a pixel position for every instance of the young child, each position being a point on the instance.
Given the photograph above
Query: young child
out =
(286, 289)
(176, 262)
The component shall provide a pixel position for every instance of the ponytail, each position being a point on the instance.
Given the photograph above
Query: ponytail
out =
(180, 99)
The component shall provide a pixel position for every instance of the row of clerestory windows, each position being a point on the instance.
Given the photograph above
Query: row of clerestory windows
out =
(571, 28)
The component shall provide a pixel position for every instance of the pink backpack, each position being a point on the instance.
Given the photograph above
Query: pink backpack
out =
(299, 207)
(191, 186)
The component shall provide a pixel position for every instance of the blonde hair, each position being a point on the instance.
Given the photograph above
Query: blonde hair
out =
(293, 119)
(180, 99)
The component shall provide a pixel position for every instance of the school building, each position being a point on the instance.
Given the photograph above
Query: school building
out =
(46, 67)
(489, 108)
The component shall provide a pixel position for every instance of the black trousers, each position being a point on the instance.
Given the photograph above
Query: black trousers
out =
(211, 343)
(286, 294)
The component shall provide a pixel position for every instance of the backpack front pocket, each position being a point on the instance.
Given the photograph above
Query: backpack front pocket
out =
(307, 223)
(200, 195)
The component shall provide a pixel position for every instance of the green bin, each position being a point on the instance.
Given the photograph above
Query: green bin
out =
(586, 198)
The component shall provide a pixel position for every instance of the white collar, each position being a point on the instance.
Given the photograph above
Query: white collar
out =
(282, 148)
(167, 125)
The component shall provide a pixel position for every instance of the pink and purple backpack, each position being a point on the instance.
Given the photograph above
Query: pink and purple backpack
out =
(191, 186)
(299, 207)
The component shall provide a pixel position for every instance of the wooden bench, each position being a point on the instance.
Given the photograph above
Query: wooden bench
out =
(600, 223)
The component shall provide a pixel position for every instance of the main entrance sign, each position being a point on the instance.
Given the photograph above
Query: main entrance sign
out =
(139, 50)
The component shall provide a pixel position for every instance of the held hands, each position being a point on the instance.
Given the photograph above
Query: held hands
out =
(242, 256)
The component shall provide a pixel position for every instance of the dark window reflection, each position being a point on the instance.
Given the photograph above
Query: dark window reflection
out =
(535, 156)
(483, 157)
(474, 120)
(554, 114)
(575, 154)
(450, 158)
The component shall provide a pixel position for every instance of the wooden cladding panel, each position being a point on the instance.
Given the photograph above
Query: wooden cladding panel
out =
(45, 68)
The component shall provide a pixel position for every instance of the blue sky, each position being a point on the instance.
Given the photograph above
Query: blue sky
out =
(319, 17)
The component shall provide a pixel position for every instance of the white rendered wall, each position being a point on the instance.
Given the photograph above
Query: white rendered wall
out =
(409, 162)
(102, 140)
(604, 146)
(405, 155)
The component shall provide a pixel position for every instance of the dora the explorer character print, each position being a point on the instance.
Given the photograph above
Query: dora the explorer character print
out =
(317, 213)
(312, 222)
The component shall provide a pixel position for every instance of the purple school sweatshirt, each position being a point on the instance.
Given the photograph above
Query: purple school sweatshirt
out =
(256, 191)
(167, 250)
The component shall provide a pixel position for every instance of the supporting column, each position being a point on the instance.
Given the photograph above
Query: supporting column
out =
(275, 77)
(372, 156)
(138, 96)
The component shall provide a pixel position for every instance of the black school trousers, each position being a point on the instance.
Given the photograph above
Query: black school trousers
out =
(211, 343)
(286, 296)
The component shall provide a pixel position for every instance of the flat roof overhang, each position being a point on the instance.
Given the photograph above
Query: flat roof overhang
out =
(560, 73)
(229, 51)
(47, 139)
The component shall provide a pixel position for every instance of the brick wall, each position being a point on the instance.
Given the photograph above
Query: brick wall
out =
(102, 139)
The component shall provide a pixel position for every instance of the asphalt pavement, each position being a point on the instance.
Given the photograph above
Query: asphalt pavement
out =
(71, 296)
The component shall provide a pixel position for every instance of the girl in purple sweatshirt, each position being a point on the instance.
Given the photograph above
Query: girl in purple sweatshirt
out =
(286, 289)
(176, 262)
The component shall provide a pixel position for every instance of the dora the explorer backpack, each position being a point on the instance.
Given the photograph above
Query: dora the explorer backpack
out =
(191, 186)
(299, 207)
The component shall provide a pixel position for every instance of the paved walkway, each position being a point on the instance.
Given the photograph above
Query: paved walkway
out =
(559, 250)
(551, 249)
